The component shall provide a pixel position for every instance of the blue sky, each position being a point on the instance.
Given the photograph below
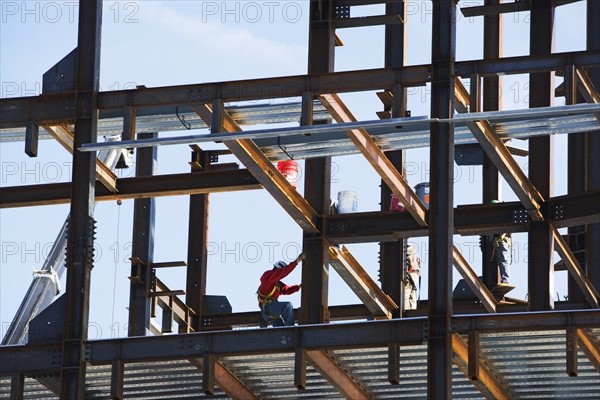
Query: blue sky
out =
(161, 43)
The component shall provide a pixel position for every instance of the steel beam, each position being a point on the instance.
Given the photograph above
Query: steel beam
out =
(410, 331)
(350, 270)
(593, 149)
(441, 212)
(574, 268)
(265, 172)
(480, 290)
(335, 375)
(17, 112)
(488, 381)
(133, 188)
(492, 49)
(576, 164)
(224, 378)
(117, 377)
(540, 154)
(65, 138)
(197, 253)
(496, 150)
(589, 346)
(314, 299)
(377, 158)
(32, 135)
(81, 230)
(143, 248)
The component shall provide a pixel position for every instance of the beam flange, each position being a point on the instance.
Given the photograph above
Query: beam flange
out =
(335, 375)
(65, 138)
(574, 268)
(487, 382)
(265, 172)
(377, 158)
(378, 303)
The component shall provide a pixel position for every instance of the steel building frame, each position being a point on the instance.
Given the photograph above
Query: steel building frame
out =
(454, 348)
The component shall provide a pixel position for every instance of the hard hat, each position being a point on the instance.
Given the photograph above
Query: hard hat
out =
(279, 264)
(410, 249)
(494, 201)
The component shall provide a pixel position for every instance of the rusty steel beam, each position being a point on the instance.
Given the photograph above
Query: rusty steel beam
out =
(65, 138)
(336, 375)
(574, 268)
(265, 172)
(498, 153)
(589, 346)
(471, 278)
(488, 381)
(377, 158)
(225, 379)
(350, 270)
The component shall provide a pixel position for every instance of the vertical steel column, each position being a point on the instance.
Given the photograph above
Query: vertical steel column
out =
(492, 49)
(593, 148)
(540, 243)
(143, 245)
(315, 275)
(576, 165)
(392, 259)
(391, 263)
(441, 212)
(197, 257)
(80, 242)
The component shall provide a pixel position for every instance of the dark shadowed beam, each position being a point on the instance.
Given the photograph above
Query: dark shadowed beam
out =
(81, 230)
(19, 112)
(142, 247)
(593, 148)
(540, 240)
(441, 212)
(575, 270)
(133, 188)
(317, 178)
(492, 49)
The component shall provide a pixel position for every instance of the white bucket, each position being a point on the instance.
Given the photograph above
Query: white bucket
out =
(347, 202)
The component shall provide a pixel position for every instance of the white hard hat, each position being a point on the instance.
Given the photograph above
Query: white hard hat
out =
(279, 264)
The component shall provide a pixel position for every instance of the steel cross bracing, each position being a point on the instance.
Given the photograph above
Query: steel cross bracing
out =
(496, 355)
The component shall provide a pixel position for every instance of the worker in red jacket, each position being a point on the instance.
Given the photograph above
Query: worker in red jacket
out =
(276, 312)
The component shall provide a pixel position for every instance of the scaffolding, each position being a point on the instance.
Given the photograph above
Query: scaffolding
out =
(486, 346)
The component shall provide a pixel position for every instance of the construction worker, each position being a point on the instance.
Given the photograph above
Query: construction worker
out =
(412, 277)
(271, 287)
(502, 254)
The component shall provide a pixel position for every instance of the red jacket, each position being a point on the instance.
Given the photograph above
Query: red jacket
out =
(273, 277)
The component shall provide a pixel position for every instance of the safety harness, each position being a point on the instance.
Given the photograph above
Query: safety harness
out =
(263, 300)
